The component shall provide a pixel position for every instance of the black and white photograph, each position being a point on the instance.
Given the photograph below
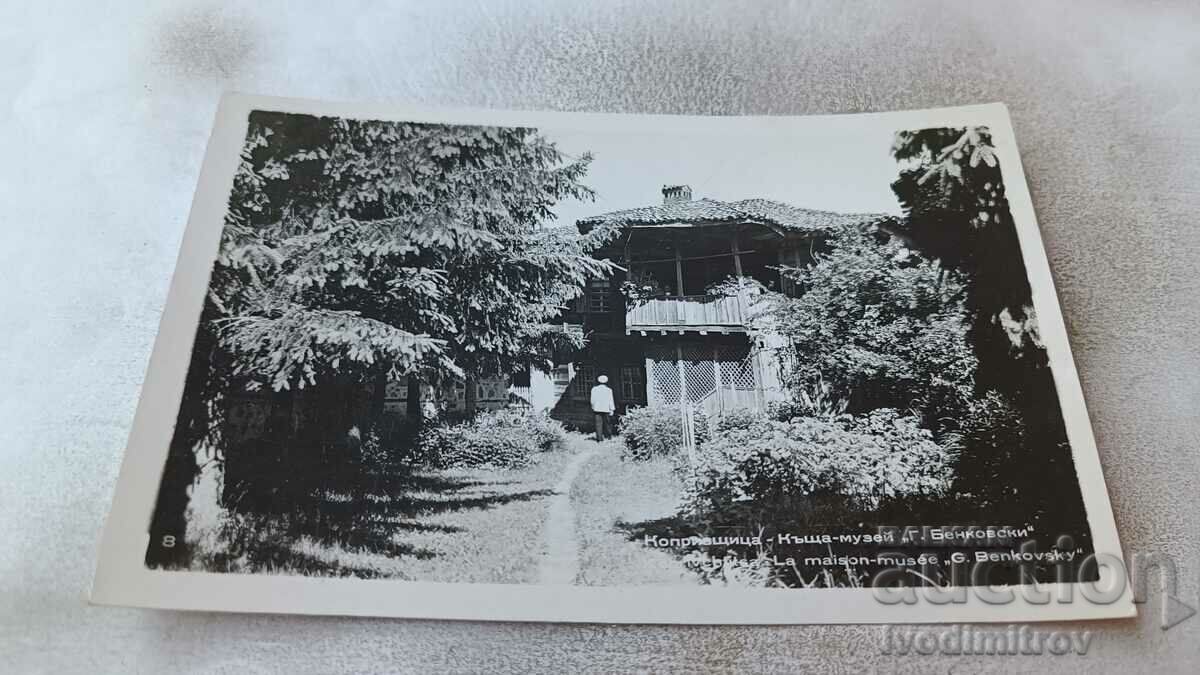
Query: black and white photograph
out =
(557, 336)
(776, 357)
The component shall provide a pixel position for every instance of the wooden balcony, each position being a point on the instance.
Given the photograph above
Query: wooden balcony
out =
(687, 313)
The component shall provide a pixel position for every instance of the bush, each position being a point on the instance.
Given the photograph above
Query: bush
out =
(506, 438)
(815, 399)
(545, 433)
(738, 418)
(779, 465)
(658, 431)
(881, 325)
(992, 437)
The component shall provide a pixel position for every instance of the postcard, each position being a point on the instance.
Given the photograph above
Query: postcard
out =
(500, 365)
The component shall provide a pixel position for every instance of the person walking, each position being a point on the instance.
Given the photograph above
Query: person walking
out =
(603, 407)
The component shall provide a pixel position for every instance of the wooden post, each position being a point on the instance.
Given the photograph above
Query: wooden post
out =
(782, 278)
(737, 256)
(685, 408)
(737, 267)
(682, 378)
(651, 391)
(717, 378)
(678, 265)
(757, 369)
(689, 434)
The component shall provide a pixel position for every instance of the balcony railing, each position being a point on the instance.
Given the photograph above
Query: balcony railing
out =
(675, 313)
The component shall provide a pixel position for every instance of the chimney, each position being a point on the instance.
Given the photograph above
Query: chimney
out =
(676, 193)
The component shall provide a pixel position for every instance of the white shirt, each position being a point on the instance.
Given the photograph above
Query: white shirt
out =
(602, 399)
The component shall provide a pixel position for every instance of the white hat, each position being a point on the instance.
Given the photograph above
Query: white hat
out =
(602, 379)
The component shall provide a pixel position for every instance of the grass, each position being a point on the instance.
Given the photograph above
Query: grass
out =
(454, 525)
(610, 492)
(489, 526)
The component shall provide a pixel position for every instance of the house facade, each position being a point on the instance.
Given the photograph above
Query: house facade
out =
(680, 318)
(675, 323)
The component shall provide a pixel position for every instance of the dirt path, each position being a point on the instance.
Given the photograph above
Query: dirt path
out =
(560, 561)
(587, 508)
(615, 503)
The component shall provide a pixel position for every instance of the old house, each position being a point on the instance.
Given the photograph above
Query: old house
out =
(675, 324)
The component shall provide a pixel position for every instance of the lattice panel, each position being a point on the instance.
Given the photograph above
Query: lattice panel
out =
(737, 367)
(702, 364)
(664, 376)
(699, 371)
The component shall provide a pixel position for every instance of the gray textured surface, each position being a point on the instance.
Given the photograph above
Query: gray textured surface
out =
(106, 114)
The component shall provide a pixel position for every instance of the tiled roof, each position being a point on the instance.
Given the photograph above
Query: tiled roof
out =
(767, 211)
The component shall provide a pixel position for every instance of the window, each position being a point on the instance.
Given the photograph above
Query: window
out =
(633, 384)
(581, 386)
(599, 296)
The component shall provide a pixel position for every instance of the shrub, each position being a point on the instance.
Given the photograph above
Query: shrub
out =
(505, 438)
(815, 399)
(990, 435)
(883, 326)
(738, 418)
(658, 431)
(546, 434)
(783, 464)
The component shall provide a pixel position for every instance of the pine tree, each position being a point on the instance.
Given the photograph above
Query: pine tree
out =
(358, 251)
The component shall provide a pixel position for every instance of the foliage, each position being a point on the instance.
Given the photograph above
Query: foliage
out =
(953, 195)
(657, 431)
(359, 250)
(956, 211)
(395, 245)
(365, 249)
(640, 286)
(780, 466)
(876, 325)
(992, 435)
(816, 399)
(738, 418)
(732, 286)
(504, 438)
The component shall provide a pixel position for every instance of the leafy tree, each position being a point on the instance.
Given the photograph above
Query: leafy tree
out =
(956, 211)
(356, 251)
(881, 325)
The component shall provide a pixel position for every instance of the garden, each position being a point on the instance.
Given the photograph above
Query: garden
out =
(359, 253)
(919, 395)
(355, 254)
(460, 503)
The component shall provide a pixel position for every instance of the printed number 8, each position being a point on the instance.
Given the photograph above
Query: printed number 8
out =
(168, 541)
